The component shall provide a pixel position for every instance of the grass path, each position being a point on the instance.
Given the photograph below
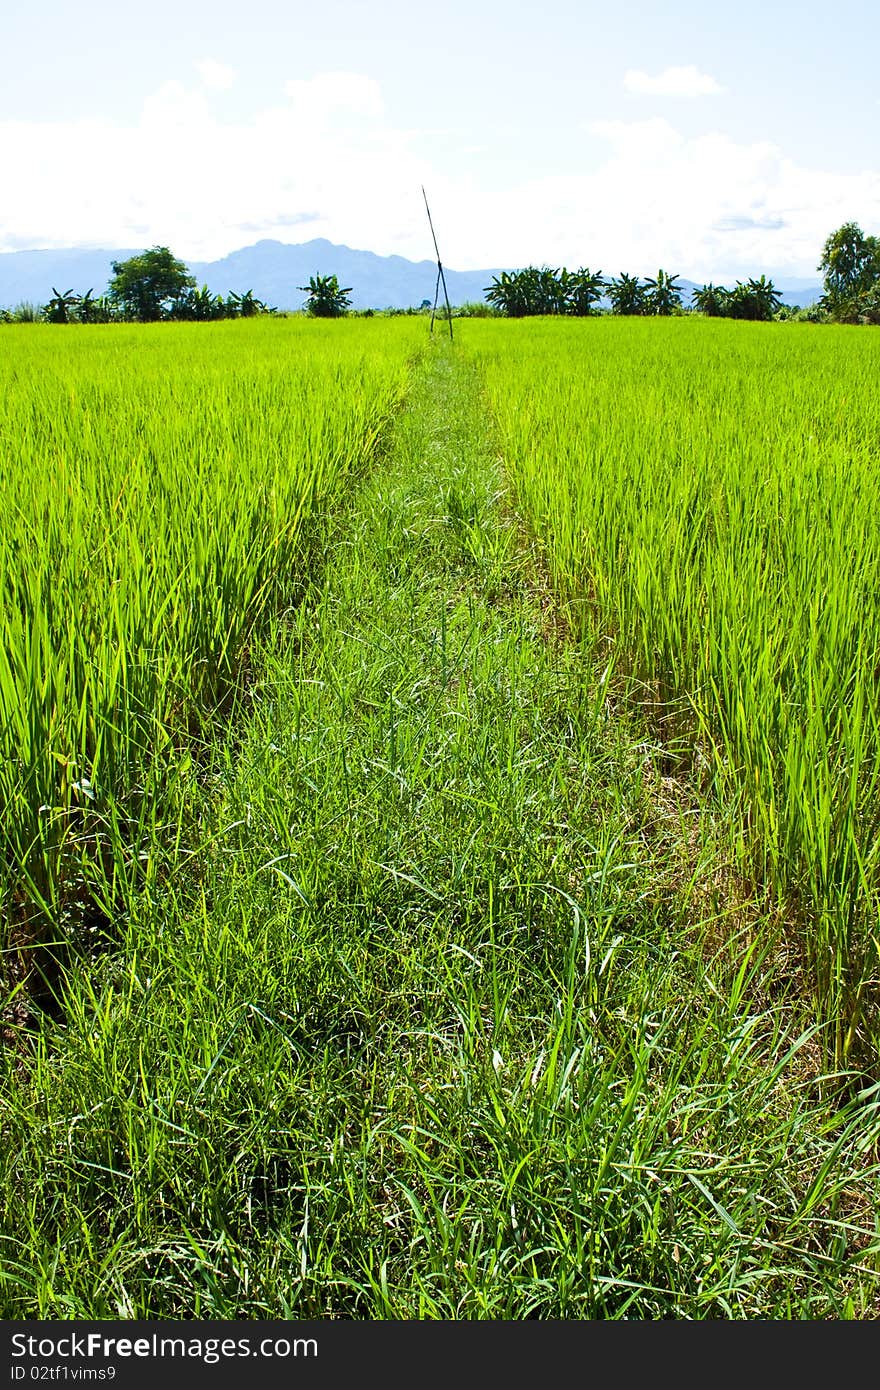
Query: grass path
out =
(421, 1017)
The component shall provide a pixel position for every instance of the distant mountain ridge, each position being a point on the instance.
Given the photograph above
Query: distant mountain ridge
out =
(275, 270)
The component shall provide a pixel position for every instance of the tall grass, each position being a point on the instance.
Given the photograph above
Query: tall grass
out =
(156, 489)
(707, 495)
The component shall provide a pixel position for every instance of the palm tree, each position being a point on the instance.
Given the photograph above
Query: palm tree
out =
(326, 300)
(662, 295)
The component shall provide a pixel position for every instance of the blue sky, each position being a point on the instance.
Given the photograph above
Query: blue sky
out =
(628, 136)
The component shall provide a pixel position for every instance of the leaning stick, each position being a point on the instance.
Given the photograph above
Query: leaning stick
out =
(440, 275)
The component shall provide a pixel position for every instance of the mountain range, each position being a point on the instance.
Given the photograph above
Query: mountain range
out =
(275, 270)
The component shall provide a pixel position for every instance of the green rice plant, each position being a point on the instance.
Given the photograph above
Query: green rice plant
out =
(707, 497)
(157, 490)
(422, 1017)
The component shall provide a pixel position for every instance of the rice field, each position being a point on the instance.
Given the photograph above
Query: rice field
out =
(157, 489)
(451, 772)
(706, 496)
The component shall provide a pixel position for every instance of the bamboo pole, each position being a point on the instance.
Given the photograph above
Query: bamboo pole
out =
(440, 276)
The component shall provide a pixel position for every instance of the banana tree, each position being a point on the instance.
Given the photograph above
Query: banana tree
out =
(87, 307)
(205, 306)
(627, 295)
(534, 290)
(245, 305)
(757, 300)
(326, 299)
(506, 294)
(552, 287)
(766, 297)
(662, 296)
(59, 306)
(542, 290)
(198, 306)
(712, 300)
(585, 289)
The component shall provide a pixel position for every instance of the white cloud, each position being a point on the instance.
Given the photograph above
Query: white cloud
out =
(326, 161)
(217, 77)
(180, 176)
(703, 206)
(672, 82)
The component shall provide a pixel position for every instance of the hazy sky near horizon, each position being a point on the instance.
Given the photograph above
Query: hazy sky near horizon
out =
(714, 143)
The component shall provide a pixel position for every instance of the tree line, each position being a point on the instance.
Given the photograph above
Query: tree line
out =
(540, 290)
(155, 286)
(148, 288)
(851, 289)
